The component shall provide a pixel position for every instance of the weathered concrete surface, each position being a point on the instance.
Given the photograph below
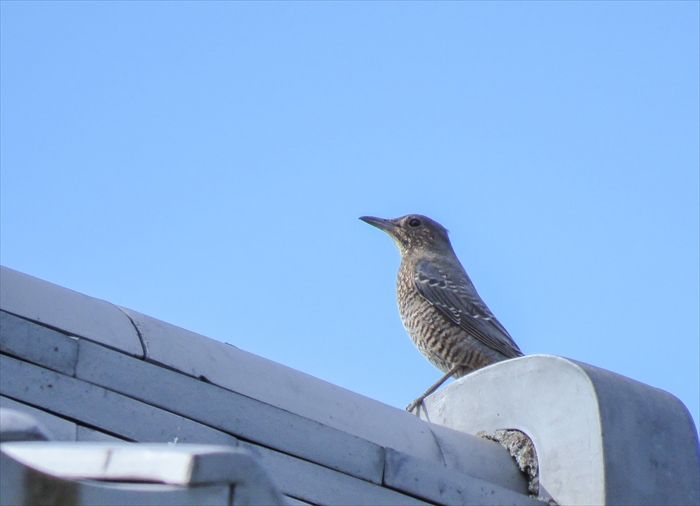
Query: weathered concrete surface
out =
(443, 486)
(601, 438)
(520, 446)
(230, 412)
(18, 426)
(321, 443)
(38, 344)
(282, 387)
(59, 429)
(193, 468)
(101, 408)
(71, 312)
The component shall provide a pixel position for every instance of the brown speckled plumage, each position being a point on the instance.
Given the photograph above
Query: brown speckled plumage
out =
(440, 308)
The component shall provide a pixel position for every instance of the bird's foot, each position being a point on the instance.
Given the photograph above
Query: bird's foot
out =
(435, 386)
(418, 402)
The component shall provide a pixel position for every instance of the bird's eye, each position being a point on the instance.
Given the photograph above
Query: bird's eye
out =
(414, 222)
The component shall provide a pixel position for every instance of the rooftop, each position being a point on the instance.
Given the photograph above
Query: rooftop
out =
(92, 371)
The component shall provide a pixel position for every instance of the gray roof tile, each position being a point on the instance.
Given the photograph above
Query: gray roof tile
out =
(328, 404)
(59, 428)
(37, 344)
(71, 312)
(445, 486)
(80, 360)
(100, 408)
(231, 412)
(320, 485)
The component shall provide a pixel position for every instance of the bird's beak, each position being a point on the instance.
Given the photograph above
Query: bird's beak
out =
(386, 225)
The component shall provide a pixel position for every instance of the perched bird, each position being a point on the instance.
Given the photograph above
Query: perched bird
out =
(439, 306)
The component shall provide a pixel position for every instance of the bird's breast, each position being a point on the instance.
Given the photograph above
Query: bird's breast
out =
(441, 341)
(424, 325)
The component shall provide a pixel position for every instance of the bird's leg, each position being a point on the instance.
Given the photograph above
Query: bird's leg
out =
(429, 391)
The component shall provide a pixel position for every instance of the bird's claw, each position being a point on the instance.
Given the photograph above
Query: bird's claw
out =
(418, 402)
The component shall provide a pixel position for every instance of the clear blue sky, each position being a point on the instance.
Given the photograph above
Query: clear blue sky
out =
(206, 163)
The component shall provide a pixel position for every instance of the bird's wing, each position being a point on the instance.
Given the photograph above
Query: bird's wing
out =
(458, 300)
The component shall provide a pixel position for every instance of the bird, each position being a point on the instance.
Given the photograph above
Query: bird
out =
(439, 306)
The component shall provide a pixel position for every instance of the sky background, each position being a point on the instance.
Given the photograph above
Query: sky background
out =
(206, 163)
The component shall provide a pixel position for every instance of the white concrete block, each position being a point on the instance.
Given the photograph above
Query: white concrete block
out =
(600, 438)
(183, 465)
(20, 484)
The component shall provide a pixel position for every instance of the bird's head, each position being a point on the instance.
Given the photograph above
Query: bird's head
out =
(413, 232)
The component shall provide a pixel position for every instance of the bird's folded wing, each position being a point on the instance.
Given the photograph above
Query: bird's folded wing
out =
(458, 300)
